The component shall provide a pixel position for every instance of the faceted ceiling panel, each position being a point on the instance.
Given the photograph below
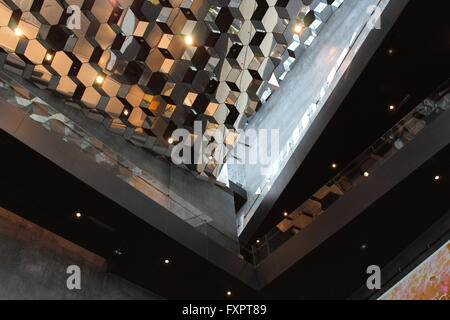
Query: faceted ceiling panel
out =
(145, 68)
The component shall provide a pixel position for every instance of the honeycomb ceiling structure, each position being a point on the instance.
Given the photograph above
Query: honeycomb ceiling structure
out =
(145, 68)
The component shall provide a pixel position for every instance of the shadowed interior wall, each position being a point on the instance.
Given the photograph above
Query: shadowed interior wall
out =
(33, 264)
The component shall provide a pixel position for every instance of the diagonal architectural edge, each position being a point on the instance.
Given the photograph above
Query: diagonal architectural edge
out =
(165, 180)
(360, 50)
(20, 126)
(161, 219)
(426, 144)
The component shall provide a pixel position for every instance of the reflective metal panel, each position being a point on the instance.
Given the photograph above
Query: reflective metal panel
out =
(145, 68)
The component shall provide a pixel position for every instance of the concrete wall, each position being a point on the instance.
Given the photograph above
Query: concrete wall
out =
(33, 264)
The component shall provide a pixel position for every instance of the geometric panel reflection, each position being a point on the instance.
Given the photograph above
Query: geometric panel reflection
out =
(144, 68)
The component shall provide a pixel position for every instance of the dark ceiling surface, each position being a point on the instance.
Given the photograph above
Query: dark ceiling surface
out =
(338, 267)
(38, 190)
(416, 66)
(41, 192)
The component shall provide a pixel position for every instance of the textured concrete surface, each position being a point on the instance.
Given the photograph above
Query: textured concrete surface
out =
(34, 261)
(68, 157)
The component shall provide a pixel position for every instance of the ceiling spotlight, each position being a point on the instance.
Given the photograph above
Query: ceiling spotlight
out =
(100, 79)
(189, 40)
(229, 293)
(170, 140)
(285, 214)
(78, 215)
(364, 246)
(391, 107)
(166, 261)
(334, 165)
(366, 174)
(258, 241)
(126, 112)
(18, 32)
(437, 178)
(298, 28)
(390, 52)
(48, 57)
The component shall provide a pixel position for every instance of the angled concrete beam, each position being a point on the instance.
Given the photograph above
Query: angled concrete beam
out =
(309, 97)
(15, 122)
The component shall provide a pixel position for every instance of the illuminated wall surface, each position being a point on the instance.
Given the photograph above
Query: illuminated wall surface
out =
(429, 281)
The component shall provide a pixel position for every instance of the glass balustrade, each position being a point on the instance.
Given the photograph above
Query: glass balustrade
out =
(353, 174)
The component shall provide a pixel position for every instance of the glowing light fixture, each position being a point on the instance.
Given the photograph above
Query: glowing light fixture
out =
(100, 79)
(229, 293)
(18, 32)
(366, 174)
(48, 57)
(189, 40)
(170, 140)
(298, 28)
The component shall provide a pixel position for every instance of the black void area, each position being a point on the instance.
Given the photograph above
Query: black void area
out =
(38, 190)
(337, 268)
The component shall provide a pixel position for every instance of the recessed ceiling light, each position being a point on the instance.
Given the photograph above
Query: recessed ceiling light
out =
(298, 28)
(189, 40)
(18, 32)
(285, 214)
(170, 140)
(166, 261)
(126, 112)
(229, 293)
(366, 174)
(390, 52)
(437, 178)
(78, 215)
(100, 79)
(258, 241)
(334, 165)
(364, 246)
(392, 107)
(48, 57)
